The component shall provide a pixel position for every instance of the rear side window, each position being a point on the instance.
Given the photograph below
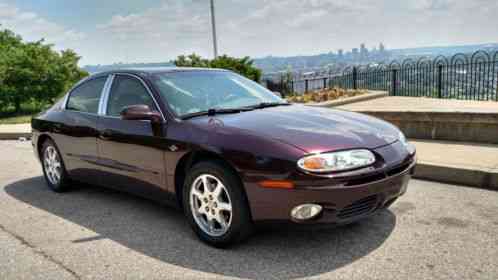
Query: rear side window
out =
(127, 91)
(86, 97)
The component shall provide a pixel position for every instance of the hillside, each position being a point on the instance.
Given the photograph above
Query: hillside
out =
(301, 63)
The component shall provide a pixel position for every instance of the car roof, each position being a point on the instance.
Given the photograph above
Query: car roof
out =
(153, 70)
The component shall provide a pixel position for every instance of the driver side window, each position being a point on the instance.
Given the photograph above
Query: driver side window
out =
(127, 91)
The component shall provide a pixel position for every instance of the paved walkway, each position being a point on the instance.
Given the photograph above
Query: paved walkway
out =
(15, 128)
(422, 104)
(458, 154)
(15, 131)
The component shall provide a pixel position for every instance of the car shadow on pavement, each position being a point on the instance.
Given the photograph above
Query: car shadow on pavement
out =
(162, 233)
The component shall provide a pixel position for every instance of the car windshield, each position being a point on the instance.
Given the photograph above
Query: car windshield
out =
(191, 92)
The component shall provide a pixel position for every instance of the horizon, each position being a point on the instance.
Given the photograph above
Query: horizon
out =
(105, 33)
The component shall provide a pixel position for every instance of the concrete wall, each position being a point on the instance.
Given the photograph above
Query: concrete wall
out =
(454, 126)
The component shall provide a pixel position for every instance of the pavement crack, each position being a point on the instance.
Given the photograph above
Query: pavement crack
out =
(40, 252)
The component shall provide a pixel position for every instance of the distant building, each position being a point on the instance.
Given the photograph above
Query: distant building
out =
(363, 51)
(382, 48)
(340, 53)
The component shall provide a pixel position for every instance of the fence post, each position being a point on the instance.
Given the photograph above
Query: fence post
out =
(355, 78)
(394, 81)
(325, 83)
(440, 81)
(306, 86)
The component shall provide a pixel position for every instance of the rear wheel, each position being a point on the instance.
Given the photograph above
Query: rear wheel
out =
(215, 204)
(53, 167)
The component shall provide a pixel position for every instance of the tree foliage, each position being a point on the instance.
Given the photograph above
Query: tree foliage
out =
(243, 66)
(34, 71)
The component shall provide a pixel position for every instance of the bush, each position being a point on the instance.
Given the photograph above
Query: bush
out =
(34, 72)
(324, 95)
(243, 66)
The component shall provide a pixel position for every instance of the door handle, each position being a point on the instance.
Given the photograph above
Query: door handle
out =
(106, 134)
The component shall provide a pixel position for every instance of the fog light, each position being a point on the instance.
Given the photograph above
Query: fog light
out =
(306, 211)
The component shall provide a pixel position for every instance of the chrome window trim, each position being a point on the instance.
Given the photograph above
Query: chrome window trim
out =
(105, 103)
(105, 94)
(66, 98)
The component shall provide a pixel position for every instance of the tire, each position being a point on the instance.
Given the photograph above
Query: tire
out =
(58, 183)
(238, 223)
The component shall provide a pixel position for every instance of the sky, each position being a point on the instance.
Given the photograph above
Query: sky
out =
(107, 31)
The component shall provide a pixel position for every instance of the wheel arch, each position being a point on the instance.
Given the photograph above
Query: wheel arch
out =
(39, 143)
(194, 157)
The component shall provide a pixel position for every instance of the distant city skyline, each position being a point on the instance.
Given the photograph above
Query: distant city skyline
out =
(105, 32)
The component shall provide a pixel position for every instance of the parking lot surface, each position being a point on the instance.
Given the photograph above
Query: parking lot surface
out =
(435, 231)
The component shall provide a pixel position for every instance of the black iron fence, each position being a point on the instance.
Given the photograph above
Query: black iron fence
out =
(469, 77)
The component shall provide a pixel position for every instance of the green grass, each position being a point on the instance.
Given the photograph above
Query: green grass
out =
(16, 119)
(9, 116)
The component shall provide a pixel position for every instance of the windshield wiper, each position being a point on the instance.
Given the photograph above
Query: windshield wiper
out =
(215, 111)
(268, 104)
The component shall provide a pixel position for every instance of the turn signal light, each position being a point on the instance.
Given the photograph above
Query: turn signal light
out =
(277, 184)
(314, 163)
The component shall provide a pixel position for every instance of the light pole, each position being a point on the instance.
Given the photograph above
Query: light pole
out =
(213, 23)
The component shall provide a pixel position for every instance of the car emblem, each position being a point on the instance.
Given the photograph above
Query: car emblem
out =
(173, 148)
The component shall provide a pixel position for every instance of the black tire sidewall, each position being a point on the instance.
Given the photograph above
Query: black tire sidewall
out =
(62, 185)
(241, 224)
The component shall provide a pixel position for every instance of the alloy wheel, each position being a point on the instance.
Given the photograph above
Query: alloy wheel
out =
(211, 205)
(52, 164)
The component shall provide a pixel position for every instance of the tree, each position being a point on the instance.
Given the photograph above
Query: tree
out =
(192, 60)
(34, 72)
(243, 66)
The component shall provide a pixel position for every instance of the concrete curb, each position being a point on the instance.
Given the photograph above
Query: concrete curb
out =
(349, 100)
(479, 178)
(14, 135)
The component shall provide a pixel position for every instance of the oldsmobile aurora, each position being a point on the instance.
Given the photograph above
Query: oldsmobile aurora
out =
(227, 151)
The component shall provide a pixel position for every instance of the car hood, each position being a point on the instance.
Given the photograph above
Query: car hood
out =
(310, 129)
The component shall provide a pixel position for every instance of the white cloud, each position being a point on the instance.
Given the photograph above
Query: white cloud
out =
(173, 20)
(33, 27)
(261, 27)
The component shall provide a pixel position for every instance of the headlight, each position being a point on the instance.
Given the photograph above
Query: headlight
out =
(402, 138)
(410, 147)
(337, 161)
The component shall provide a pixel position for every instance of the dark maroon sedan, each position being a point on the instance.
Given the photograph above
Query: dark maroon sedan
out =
(228, 151)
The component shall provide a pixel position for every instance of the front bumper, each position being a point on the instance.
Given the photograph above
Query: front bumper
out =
(341, 204)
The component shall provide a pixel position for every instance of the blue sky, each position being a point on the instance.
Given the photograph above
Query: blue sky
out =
(108, 31)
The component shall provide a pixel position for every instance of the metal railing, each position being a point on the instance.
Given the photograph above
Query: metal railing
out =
(469, 77)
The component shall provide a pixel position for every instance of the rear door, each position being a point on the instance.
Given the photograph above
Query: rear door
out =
(77, 133)
(131, 150)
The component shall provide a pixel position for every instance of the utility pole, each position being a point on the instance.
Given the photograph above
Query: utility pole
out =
(213, 23)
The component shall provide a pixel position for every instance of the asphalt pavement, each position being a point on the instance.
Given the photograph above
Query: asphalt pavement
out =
(436, 231)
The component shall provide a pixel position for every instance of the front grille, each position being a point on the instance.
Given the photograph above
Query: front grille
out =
(365, 179)
(360, 207)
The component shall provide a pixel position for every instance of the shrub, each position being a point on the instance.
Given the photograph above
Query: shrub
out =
(324, 95)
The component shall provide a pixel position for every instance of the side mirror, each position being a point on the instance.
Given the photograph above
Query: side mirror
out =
(140, 112)
(277, 94)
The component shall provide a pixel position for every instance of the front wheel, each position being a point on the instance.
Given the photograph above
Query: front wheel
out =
(215, 204)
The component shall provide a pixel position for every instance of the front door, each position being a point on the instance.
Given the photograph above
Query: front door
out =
(130, 150)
